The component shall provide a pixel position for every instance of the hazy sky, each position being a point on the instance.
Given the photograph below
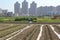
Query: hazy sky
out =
(9, 4)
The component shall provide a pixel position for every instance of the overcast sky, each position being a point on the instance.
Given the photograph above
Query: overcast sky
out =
(9, 4)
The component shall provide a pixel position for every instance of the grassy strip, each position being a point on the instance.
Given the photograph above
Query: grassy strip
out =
(25, 19)
(47, 20)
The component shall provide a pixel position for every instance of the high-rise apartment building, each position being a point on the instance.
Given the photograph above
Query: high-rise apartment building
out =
(33, 9)
(24, 8)
(17, 8)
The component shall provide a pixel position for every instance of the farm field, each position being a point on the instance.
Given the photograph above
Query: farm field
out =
(29, 31)
(6, 29)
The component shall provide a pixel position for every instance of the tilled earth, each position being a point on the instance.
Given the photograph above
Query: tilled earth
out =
(57, 28)
(33, 32)
(48, 34)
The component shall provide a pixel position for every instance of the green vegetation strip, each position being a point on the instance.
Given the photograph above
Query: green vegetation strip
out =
(47, 20)
(26, 19)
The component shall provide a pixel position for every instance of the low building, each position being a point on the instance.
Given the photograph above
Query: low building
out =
(10, 14)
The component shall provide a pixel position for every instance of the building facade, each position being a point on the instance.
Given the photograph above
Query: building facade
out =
(25, 8)
(17, 8)
(33, 9)
(46, 11)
